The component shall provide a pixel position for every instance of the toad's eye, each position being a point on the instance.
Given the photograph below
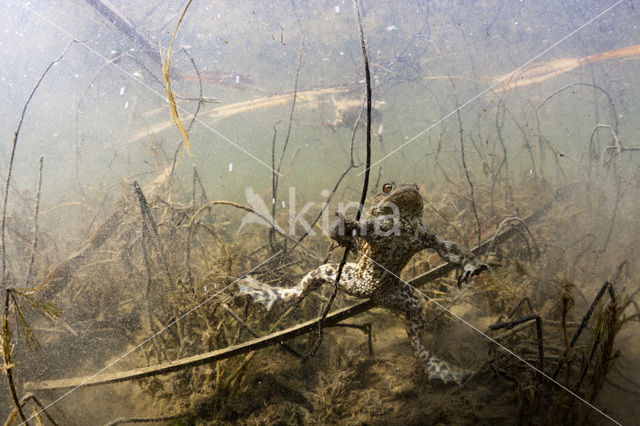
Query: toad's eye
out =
(387, 187)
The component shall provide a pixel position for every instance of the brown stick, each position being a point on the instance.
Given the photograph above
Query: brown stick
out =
(247, 209)
(208, 357)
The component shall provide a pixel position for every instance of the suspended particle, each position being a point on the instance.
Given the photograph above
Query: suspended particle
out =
(230, 167)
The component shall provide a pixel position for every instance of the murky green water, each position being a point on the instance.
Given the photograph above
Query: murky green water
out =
(494, 107)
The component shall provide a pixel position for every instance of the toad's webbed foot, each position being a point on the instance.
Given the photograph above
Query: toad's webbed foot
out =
(471, 269)
(403, 300)
(268, 296)
(437, 369)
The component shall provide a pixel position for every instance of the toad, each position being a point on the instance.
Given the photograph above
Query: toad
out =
(386, 240)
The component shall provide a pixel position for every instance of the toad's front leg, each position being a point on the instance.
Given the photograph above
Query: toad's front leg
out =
(345, 232)
(452, 252)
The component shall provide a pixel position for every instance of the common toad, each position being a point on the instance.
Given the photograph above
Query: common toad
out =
(387, 239)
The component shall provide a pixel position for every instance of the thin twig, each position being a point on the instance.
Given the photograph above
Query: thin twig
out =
(89, 85)
(612, 107)
(194, 117)
(351, 165)
(256, 335)
(606, 286)
(13, 153)
(275, 171)
(37, 402)
(150, 224)
(274, 188)
(503, 162)
(36, 210)
(464, 165)
(147, 262)
(293, 106)
(322, 210)
(124, 420)
(365, 184)
(247, 209)
(7, 348)
(524, 137)
(529, 317)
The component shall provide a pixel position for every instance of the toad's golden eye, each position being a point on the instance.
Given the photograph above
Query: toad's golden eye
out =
(387, 187)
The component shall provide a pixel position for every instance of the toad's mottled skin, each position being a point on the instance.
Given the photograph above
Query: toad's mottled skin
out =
(387, 239)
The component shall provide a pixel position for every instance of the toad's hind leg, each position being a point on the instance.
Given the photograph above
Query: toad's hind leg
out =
(270, 296)
(402, 299)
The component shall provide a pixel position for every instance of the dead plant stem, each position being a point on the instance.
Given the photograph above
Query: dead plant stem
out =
(166, 70)
(7, 348)
(365, 184)
(464, 165)
(146, 236)
(36, 210)
(275, 171)
(14, 144)
(194, 117)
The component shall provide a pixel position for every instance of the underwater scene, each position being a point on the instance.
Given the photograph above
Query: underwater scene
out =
(331, 212)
